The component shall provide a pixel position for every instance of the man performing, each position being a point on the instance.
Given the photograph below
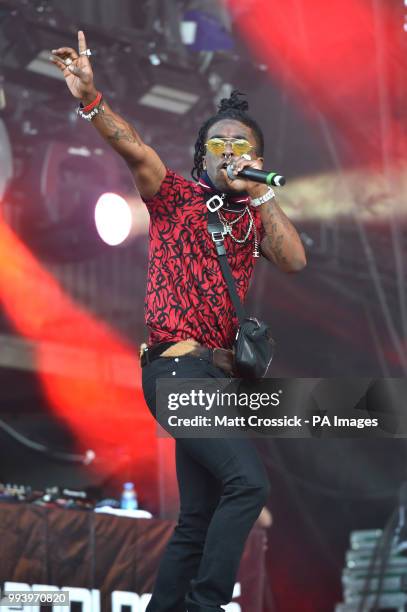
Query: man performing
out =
(192, 324)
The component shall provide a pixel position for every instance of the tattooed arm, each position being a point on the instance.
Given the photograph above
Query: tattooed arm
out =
(147, 168)
(281, 244)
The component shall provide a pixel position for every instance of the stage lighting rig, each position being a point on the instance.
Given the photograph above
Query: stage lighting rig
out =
(55, 190)
(148, 68)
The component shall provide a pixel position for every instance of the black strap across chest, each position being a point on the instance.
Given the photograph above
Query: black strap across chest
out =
(217, 233)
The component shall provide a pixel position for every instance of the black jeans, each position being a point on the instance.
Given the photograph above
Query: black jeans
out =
(223, 486)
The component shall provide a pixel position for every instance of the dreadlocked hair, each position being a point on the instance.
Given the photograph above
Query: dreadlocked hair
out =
(233, 107)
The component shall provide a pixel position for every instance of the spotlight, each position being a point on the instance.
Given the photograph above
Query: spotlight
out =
(113, 218)
(154, 59)
(56, 192)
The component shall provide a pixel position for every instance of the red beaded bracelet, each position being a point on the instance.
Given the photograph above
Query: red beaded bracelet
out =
(91, 106)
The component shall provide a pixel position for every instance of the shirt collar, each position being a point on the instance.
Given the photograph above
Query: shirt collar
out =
(207, 185)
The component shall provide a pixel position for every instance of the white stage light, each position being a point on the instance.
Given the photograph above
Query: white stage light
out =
(113, 218)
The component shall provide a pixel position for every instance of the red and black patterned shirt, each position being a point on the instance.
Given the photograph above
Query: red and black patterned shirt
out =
(187, 296)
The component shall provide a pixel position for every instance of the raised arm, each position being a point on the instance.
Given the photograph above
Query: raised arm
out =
(146, 166)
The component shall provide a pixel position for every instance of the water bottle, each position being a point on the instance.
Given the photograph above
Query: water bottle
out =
(129, 497)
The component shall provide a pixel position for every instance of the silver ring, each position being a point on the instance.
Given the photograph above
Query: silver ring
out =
(68, 61)
(86, 52)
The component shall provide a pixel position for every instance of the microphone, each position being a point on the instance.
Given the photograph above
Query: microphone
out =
(259, 176)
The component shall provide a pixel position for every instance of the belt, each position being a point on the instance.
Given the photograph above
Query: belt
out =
(220, 357)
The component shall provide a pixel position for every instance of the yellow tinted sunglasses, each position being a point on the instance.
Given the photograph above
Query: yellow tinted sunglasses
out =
(217, 146)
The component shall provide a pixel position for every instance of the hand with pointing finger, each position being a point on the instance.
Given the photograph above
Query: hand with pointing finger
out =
(76, 68)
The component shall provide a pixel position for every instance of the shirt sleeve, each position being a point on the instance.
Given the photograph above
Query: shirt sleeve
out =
(164, 199)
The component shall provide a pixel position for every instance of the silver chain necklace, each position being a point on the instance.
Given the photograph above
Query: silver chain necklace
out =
(228, 226)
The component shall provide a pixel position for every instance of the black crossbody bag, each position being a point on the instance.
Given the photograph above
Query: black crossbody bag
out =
(253, 345)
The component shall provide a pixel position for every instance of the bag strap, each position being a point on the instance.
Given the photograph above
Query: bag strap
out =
(217, 233)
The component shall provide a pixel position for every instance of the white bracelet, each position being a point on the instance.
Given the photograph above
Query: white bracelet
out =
(264, 198)
(89, 116)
